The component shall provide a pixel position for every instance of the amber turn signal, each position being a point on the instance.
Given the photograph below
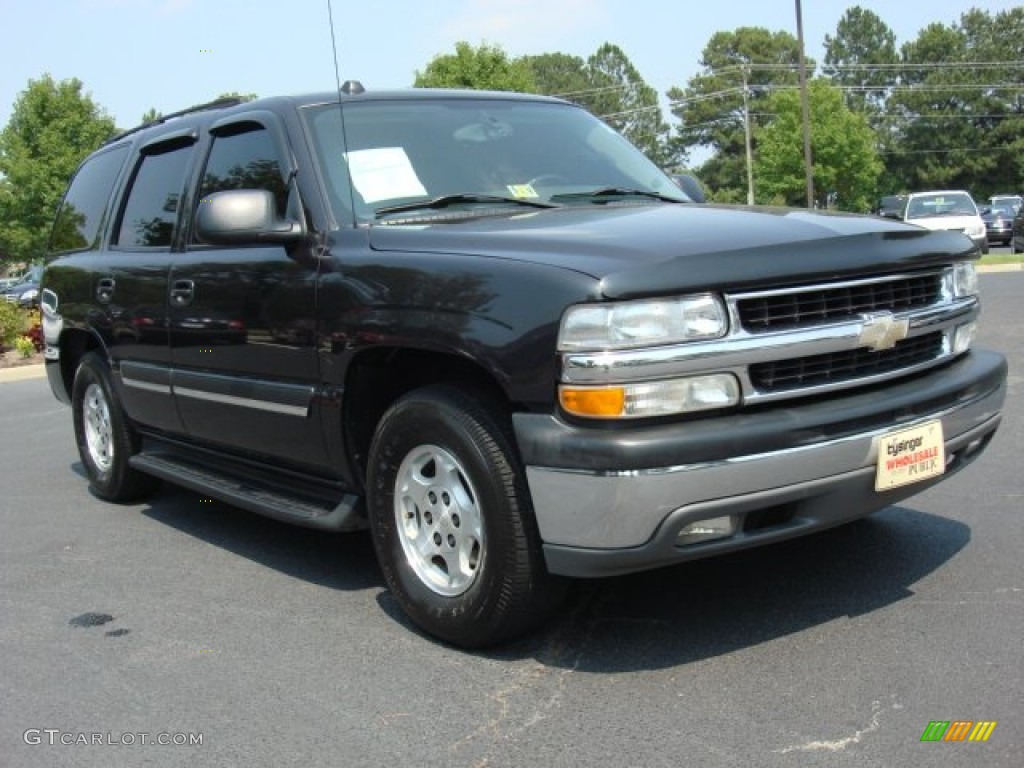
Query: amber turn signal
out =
(594, 402)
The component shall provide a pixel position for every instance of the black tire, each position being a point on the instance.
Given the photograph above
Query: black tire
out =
(105, 438)
(474, 580)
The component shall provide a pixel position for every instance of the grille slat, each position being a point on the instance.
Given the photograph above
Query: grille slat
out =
(836, 367)
(787, 311)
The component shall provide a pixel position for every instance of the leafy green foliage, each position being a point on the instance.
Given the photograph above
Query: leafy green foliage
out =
(562, 75)
(860, 56)
(627, 103)
(608, 85)
(487, 67)
(711, 111)
(846, 163)
(961, 126)
(24, 346)
(53, 126)
(14, 322)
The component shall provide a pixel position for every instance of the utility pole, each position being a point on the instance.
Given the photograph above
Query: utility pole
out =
(805, 108)
(746, 134)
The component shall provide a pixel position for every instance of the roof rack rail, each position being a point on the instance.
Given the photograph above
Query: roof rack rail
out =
(230, 101)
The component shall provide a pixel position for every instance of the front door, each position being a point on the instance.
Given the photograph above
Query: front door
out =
(242, 319)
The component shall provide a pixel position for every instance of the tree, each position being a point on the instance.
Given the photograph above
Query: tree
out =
(861, 56)
(608, 85)
(53, 126)
(959, 110)
(711, 110)
(562, 75)
(237, 95)
(484, 68)
(623, 100)
(846, 163)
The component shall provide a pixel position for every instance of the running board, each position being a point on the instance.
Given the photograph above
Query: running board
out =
(343, 515)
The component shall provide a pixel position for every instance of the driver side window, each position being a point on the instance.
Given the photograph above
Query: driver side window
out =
(246, 159)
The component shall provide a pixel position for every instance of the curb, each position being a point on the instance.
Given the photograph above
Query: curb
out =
(1011, 267)
(22, 373)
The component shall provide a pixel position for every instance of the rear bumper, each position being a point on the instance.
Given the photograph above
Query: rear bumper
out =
(611, 501)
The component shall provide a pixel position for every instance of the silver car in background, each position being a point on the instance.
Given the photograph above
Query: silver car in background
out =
(951, 210)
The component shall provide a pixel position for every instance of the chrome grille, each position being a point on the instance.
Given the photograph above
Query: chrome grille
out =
(788, 310)
(835, 367)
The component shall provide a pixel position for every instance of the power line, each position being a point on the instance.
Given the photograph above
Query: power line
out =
(918, 88)
(898, 66)
(602, 89)
(945, 151)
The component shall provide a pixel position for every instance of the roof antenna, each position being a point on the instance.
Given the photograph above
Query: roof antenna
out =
(341, 113)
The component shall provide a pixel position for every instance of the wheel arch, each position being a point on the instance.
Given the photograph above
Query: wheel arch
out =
(377, 377)
(74, 344)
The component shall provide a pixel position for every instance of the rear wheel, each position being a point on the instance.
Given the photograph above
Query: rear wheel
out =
(105, 438)
(451, 520)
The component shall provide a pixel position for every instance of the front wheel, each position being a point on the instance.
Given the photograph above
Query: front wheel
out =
(105, 439)
(451, 520)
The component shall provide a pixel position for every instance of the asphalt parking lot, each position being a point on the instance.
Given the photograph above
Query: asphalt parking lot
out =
(180, 618)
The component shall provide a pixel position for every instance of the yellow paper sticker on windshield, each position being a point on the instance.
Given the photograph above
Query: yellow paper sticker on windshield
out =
(522, 190)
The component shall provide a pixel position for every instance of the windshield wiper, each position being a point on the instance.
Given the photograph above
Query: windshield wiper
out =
(446, 200)
(617, 192)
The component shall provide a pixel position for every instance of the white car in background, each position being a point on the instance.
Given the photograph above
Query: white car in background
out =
(953, 210)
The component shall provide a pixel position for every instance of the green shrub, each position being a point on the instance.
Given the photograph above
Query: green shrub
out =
(24, 346)
(14, 321)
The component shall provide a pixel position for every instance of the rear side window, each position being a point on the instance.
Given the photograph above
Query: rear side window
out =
(80, 216)
(151, 210)
(245, 159)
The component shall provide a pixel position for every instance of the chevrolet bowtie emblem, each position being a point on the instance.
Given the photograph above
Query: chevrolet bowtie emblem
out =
(881, 330)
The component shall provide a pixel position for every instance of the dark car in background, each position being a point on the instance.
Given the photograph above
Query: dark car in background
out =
(998, 218)
(25, 293)
(1016, 201)
(1017, 233)
(891, 206)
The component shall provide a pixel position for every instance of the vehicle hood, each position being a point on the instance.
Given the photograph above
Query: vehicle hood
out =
(951, 223)
(20, 288)
(652, 249)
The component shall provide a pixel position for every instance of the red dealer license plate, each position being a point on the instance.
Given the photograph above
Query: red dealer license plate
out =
(910, 456)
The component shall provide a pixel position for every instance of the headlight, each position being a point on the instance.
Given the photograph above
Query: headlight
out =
(642, 323)
(976, 230)
(29, 295)
(963, 280)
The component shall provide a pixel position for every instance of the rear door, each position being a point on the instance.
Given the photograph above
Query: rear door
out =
(130, 288)
(242, 318)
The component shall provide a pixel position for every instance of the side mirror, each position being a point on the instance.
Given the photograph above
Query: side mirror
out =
(690, 186)
(240, 216)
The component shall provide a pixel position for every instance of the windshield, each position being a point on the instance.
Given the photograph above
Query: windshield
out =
(473, 153)
(1002, 209)
(941, 204)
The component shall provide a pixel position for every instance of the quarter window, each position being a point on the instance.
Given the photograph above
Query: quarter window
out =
(81, 214)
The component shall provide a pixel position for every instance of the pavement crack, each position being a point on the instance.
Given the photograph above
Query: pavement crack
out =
(838, 745)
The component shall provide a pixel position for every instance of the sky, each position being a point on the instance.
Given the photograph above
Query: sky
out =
(132, 55)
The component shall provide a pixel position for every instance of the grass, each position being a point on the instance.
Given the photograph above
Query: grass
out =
(1002, 258)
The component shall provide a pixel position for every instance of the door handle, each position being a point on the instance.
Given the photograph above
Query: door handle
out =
(105, 289)
(182, 293)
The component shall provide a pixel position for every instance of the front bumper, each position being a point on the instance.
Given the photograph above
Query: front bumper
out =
(999, 234)
(612, 501)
